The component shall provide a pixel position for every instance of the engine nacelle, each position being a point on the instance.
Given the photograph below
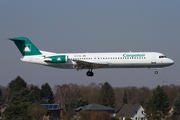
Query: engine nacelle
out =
(57, 59)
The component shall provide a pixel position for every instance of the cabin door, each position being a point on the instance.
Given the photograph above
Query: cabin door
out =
(153, 59)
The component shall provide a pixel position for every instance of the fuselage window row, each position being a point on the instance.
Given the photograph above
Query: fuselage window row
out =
(109, 58)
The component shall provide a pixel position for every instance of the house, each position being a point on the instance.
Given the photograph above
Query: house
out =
(170, 112)
(135, 111)
(54, 111)
(2, 108)
(93, 107)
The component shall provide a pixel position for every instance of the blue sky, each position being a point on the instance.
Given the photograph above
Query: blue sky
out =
(90, 26)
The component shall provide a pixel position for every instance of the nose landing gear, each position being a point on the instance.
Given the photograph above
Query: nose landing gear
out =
(156, 72)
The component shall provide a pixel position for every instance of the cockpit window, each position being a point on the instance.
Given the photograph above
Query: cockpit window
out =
(162, 56)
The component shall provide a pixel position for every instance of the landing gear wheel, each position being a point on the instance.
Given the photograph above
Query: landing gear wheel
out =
(156, 72)
(89, 73)
(92, 74)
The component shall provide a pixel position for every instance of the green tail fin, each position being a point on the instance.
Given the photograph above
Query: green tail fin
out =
(25, 46)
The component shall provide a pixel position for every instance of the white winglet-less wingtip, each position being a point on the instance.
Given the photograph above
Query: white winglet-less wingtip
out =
(90, 61)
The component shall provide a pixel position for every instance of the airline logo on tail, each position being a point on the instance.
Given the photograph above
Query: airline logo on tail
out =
(27, 48)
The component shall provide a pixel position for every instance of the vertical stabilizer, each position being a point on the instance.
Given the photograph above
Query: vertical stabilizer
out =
(25, 46)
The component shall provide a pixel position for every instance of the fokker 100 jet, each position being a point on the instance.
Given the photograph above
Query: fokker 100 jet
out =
(30, 53)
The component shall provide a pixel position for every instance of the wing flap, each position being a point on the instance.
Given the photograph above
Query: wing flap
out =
(88, 64)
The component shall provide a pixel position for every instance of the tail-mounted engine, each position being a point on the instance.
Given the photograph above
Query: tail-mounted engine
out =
(57, 59)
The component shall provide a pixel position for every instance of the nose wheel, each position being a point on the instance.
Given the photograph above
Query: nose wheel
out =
(90, 73)
(156, 72)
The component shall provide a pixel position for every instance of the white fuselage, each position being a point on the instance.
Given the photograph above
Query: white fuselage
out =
(105, 60)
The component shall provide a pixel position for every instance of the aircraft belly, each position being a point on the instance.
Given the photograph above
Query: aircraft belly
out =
(132, 65)
(62, 66)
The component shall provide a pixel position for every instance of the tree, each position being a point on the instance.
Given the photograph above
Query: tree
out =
(66, 94)
(35, 93)
(157, 103)
(5, 93)
(90, 92)
(47, 93)
(17, 84)
(95, 115)
(143, 95)
(127, 118)
(125, 98)
(37, 112)
(176, 106)
(172, 91)
(1, 98)
(20, 99)
(80, 102)
(0, 92)
(18, 105)
(100, 115)
(115, 118)
(107, 96)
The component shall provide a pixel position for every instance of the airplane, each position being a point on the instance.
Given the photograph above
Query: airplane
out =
(30, 53)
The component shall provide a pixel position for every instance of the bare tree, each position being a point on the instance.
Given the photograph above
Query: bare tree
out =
(37, 112)
(119, 96)
(64, 93)
(5, 93)
(172, 91)
(90, 92)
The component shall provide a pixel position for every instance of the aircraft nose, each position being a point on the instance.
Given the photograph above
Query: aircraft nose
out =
(170, 61)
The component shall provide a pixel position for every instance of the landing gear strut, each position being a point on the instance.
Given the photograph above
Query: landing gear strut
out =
(156, 72)
(90, 73)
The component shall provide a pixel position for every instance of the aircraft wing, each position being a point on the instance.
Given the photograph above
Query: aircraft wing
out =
(88, 65)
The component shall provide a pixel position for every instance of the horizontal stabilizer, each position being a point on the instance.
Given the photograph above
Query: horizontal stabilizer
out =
(15, 39)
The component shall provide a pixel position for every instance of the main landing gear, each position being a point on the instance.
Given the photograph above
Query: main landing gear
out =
(90, 73)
